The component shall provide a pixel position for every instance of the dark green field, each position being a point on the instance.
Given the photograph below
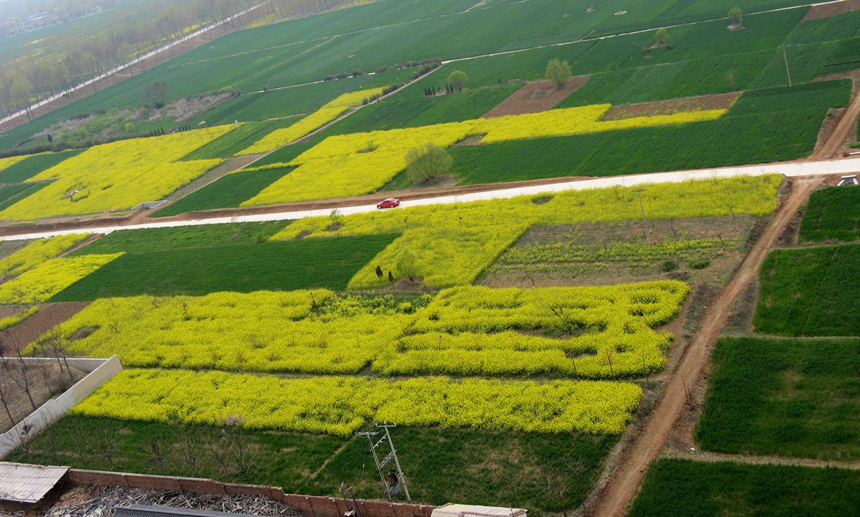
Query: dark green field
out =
(785, 398)
(810, 292)
(832, 215)
(228, 192)
(763, 126)
(684, 488)
(11, 194)
(239, 139)
(268, 266)
(182, 237)
(441, 465)
(26, 169)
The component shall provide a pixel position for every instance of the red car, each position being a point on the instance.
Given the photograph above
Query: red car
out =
(388, 203)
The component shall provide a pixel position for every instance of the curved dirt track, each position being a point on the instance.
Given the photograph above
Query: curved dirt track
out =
(615, 499)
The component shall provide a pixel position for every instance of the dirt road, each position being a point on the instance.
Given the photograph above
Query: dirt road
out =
(844, 128)
(617, 495)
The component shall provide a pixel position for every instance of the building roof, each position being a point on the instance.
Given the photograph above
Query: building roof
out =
(468, 510)
(139, 510)
(28, 483)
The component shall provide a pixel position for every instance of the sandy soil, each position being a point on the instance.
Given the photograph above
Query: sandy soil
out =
(675, 398)
(650, 109)
(828, 10)
(535, 97)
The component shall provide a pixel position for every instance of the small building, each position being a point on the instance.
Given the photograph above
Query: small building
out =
(29, 487)
(468, 510)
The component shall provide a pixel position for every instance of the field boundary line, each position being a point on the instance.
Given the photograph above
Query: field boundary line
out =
(718, 457)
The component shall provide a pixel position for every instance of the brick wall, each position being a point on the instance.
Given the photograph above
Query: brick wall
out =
(315, 506)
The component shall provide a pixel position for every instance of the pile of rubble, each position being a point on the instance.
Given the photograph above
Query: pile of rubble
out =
(88, 501)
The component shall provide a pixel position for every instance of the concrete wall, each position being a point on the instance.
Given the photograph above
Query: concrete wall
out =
(315, 506)
(101, 371)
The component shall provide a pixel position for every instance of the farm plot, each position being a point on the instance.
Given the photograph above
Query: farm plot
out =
(810, 292)
(442, 464)
(342, 405)
(832, 214)
(784, 398)
(181, 237)
(49, 278)
(231, 267)
(36, 253)
(312, 122)
(589, 333)
(684, 487)
(228, 192)
(11, 194)
(453, 244)
(118, 175)
(240, 138)
(762, 126)
(32, 165)
(702, 250)
(359, 163)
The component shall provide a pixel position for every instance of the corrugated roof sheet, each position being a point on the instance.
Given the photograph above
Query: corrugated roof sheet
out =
(479, 511)
(28, 483)
(140, 510)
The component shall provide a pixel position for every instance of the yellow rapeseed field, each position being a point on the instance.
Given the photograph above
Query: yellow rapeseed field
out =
(34, 254)
(49, 278)
(118, 175)
(312, 122)
(456, 242)
(342, 405)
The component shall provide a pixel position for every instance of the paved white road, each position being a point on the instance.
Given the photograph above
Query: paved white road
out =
(845, 166)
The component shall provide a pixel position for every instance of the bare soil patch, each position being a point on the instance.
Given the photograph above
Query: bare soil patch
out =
(832, 9)
(535, 97)
(24, 333)
(651, 109)
(44, 382)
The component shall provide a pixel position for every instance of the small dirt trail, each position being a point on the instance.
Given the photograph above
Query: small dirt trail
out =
(711, 457)
(616, 497)
(845, 127)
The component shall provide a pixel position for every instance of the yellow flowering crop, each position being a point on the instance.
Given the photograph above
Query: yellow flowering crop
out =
(263, 331)
(118, 175)
(464, 331)
(573, 121)
(360, 163)
(456, 242)
(348, 165)
(312, 122)
(5, 163)
(18, 318)
(34, 254)
(342, 405)
(49, 278)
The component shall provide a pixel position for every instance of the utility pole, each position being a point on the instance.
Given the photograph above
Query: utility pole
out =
(644, 220)
(396, 479)
(787, 73)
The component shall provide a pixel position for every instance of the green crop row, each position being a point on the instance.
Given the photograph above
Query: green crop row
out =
(832, 214)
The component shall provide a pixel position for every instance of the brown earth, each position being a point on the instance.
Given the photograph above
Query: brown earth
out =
(837, 130)
(828, 10)
(49, 315)
(675, 398)
(44, 382)
(535, 97)
(650, 109)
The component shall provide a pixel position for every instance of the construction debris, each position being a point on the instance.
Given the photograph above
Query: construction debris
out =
(89, 501)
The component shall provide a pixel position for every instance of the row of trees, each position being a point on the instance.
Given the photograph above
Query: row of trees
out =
(55, 70)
